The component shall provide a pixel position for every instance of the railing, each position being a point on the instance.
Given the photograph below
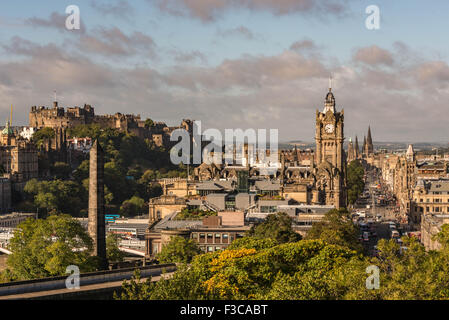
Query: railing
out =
(47, 284)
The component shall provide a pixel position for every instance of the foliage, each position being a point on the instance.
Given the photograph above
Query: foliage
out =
(195, 214)
(149, 123)
(112, 248)
(46, 247)
(42, 135)
(250, 273)
(309, 269)
(133, 207)
(336, 228)
(57, 196)
(178, 250)
(276, 226)
(355, 182)
(61, 170)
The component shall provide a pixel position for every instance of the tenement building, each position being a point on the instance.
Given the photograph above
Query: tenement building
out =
(18, 158)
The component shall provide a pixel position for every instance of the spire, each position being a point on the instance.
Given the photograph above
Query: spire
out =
(369, 143)
(357, 144)
(369, 140)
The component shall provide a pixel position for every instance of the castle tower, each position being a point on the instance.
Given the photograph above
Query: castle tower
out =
(97, 228)
(330, 157)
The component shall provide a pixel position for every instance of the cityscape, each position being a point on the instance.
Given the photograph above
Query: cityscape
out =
(239, 164)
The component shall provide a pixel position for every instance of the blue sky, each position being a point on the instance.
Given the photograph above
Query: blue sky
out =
(231, 63)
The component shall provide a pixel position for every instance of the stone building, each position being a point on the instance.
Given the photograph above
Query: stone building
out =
(430, 226)
(18, 158)
(211, 233)
(330, 158)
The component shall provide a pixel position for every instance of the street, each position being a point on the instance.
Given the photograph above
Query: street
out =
(376, 210)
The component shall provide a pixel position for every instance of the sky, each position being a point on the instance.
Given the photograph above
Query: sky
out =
(260, 64)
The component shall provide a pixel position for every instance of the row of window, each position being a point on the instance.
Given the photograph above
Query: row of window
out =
(437, 200)
(434, 209)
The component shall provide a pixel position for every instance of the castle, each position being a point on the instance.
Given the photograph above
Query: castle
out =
(63, 118)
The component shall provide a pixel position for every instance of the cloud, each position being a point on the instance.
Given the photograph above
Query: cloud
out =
(211, 10)
(113, 42)
(374, 56)
(238, 31)
(55, 21)
(188, 57)
(253, 91)
(119, 9)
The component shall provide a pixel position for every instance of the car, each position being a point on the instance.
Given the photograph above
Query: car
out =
(365, 236)
(395, 234)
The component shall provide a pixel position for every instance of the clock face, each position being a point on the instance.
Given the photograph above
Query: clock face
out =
(329, 128)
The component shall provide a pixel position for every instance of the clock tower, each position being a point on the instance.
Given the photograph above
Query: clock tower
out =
(330, 158)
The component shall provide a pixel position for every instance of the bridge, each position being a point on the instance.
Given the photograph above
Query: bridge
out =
(94, 285)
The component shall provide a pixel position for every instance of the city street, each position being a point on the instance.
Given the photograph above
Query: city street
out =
(378, 212)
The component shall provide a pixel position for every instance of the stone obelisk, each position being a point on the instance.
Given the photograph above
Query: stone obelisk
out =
(97, 228)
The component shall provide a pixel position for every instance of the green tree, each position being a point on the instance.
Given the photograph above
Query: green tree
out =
(355, 181)
(112, 248)
(336, 228)
(42, 135)
(57, 196)
(179, 250)
(276, 226)
(133, 207)
(61, 170)
(46, 247)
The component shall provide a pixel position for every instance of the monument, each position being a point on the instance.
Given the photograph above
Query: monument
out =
(97, 229)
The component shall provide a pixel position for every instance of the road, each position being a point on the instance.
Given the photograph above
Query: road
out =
(386, 213)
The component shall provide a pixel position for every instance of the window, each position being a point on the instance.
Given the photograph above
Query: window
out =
(210, 249)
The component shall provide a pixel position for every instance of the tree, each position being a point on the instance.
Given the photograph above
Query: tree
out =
(336, 228)
(42, 135)
(178, 250)
(298, 270)
(61, 170)
(133, 207)
(46, 247)
(57, 196)
(355, 181)
(276, 226)
(112, 248)
(149, 123)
